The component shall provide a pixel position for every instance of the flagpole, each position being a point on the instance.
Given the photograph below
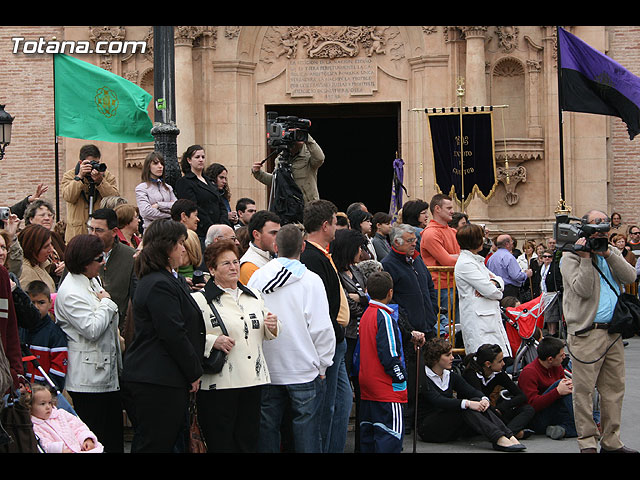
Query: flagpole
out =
(55, 137)
(562, 203)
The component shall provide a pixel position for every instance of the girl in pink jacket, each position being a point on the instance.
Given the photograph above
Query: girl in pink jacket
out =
(58, 430)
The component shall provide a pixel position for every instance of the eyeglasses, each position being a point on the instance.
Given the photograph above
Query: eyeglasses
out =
(96, 230)
(634, 233)
(232, 262)
(99, 258)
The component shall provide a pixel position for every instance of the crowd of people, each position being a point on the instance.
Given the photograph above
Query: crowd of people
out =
(273, 332)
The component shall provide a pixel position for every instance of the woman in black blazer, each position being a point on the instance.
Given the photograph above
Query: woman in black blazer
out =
(197, 187)
(163, 364)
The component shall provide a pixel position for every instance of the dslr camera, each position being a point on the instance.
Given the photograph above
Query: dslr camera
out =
(567, 230)
(284, 131)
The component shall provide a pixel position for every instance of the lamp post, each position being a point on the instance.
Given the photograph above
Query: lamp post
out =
(6, 121)
(165, 130)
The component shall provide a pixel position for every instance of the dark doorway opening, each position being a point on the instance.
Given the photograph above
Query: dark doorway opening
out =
(360, 143)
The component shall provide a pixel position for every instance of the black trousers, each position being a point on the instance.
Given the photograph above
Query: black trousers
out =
(230, 419)
(102, 413)
(161, 417)
(441, 426)
(517, 418)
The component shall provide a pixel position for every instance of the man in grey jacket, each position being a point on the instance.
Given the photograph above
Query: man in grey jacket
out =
(597, 356)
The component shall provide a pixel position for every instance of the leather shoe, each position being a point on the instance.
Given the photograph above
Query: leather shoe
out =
(619, 450)
(589, 450)
(518, 447)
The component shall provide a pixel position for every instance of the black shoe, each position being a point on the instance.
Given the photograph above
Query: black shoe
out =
(518, 447)
(619, 450)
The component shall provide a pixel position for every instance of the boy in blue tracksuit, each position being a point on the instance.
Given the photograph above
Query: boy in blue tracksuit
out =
(382, 374)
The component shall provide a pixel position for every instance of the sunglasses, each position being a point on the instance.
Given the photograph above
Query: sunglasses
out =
(99, 258)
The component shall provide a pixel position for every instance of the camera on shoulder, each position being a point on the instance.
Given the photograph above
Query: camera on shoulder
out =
(568, 230)
(284, 131)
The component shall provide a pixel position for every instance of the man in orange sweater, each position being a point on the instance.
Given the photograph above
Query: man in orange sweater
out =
(439, 247)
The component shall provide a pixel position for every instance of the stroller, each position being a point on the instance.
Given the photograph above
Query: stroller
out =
(523, 324)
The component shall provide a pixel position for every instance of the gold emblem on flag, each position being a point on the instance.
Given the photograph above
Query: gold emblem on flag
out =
(107, 101)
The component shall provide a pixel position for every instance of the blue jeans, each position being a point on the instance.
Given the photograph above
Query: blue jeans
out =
(304, 401)
(559, 412)
(338, 401)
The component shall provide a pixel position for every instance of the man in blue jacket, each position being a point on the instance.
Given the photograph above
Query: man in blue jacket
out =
(415, 294)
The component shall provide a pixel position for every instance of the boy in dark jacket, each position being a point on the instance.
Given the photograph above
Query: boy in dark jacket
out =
(382, 376)
(46, 340)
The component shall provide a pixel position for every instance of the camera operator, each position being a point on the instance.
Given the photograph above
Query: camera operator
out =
(305, 158)
(597, 356)
(88, 181)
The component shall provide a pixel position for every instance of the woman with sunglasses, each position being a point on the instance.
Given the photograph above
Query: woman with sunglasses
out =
(88, 316)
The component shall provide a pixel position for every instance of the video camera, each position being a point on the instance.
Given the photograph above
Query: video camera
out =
(282, 132)
(567, 231)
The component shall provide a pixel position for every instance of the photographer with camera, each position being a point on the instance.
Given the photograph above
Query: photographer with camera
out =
(83, 187)
(591, 268)
(297, 150)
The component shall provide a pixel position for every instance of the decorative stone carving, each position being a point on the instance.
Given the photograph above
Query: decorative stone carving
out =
(106, 34)
(508, 37)
(331, 41)
(510, 177)
(232, 31)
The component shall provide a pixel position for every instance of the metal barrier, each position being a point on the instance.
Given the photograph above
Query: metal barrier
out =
(451, 302)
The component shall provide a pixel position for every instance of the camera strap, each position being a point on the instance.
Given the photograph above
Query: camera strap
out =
(592, 326)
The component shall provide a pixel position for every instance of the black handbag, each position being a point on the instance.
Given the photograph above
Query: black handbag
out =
(626, 315)
(214, 362)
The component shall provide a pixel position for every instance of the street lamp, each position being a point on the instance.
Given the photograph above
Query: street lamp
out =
(5, 130)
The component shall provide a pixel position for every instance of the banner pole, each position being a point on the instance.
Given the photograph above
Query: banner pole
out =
(562, 204)
(460, 93)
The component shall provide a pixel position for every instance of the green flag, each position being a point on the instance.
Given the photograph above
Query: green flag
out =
(94, 104)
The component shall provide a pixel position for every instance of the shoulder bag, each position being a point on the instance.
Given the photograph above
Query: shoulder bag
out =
(214, 362)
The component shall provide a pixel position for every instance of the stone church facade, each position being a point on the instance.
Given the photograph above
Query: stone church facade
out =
(228, 77)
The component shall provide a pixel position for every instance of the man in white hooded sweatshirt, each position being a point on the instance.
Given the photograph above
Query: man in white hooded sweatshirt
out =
(299, 357)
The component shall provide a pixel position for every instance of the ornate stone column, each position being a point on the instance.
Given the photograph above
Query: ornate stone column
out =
(475, 85)
(475, 81)
(185, 112)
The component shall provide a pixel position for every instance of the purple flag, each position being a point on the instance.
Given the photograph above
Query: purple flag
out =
(591, 82)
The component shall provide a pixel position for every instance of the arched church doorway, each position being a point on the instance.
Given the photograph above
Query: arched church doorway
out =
(360, 142)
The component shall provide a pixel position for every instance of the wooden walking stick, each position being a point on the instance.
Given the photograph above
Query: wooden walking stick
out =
(415, 412)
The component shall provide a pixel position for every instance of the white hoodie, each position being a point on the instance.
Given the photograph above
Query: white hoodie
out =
(306, 344)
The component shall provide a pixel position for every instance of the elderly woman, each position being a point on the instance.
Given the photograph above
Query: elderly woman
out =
(42, 213)
(89, 318)
(229, 401)
(153, 196)
(480, 292)
(163, 363)
(37, 250)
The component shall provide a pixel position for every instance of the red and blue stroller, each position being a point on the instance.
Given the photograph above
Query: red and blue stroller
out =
(523, 325)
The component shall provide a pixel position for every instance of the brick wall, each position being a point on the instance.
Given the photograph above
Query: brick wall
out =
(26, 89)
(624, 47)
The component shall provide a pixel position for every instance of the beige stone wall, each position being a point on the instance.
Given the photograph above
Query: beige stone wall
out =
(226, 75)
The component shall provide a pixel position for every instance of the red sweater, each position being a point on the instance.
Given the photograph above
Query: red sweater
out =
(438, 242)
(535, 379)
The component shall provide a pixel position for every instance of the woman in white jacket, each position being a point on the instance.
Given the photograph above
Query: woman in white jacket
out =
(480, 292)
(229, 401)
(88, 316)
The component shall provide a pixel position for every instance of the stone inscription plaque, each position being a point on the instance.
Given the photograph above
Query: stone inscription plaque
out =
(331, 80)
